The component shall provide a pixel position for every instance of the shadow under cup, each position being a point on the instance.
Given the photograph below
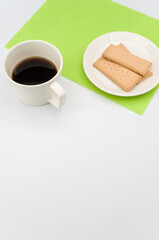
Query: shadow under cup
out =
(40, 94)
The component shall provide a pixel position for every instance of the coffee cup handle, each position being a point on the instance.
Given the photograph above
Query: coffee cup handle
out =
(57, 95)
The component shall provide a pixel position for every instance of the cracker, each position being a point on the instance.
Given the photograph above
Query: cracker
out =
(149, 74)
(123, 77)
(127, 59)
(123, 48)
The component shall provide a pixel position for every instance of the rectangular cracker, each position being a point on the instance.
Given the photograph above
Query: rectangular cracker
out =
(127, 59)
(123, 48)
(149, 74)
(123, 77)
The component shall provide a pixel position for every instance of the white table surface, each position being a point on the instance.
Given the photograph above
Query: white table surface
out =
(89, 171)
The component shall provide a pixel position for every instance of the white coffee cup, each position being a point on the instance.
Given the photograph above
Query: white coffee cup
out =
(40, 94)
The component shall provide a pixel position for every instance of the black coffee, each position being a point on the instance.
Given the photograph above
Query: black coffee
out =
(33, 71)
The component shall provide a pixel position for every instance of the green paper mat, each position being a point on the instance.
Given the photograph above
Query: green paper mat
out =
(71, 25)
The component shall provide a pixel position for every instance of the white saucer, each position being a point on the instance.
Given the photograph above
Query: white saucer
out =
(138, 45)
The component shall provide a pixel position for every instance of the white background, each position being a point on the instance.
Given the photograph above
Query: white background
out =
(89, 171)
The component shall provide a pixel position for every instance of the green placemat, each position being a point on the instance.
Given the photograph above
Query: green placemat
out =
(71, 25)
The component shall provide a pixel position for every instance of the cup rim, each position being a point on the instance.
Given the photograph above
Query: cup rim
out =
(27, 41)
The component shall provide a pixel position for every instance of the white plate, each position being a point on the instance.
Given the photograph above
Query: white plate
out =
(138, 45)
